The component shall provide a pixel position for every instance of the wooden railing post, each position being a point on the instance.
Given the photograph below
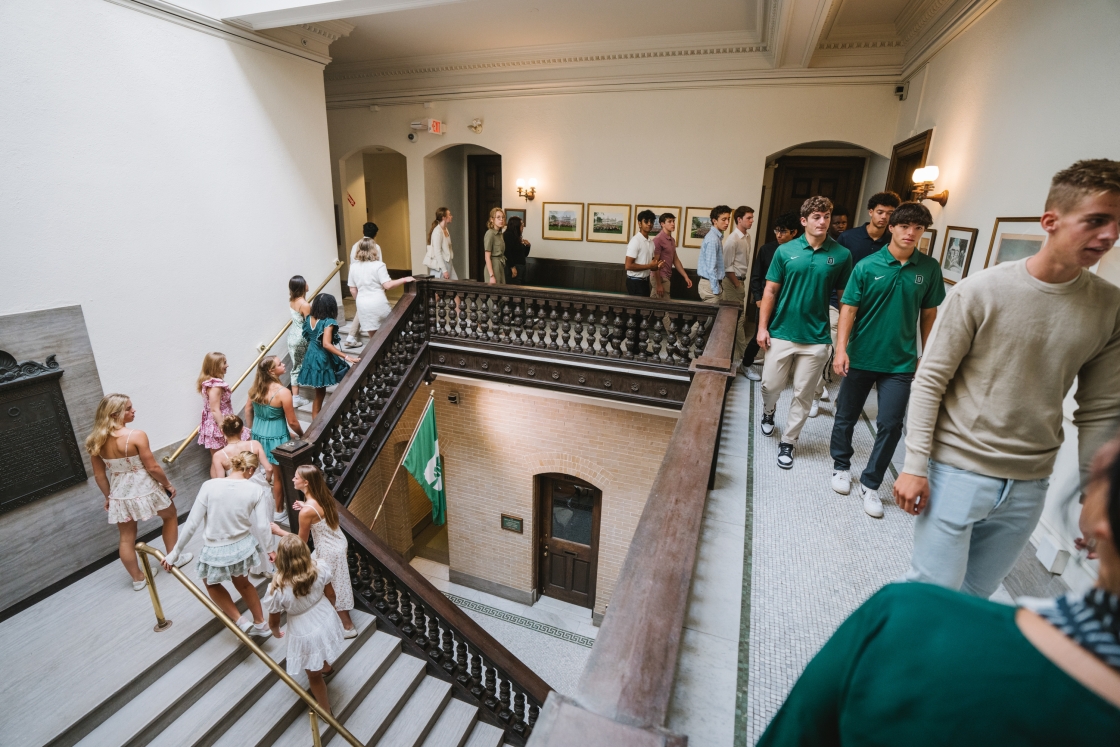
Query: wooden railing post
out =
(290, 456)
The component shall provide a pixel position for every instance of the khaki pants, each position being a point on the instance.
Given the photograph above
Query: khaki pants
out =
(739, 296)
(704, 288)
(804, 364)
(833, 322)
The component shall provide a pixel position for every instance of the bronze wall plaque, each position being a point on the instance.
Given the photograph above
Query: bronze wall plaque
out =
(38, 450)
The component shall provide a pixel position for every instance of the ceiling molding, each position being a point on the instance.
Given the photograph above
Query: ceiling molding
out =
(953, 21)
(866, 44)
(316, 37)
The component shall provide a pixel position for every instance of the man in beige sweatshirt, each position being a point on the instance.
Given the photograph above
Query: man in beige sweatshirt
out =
(985, 419)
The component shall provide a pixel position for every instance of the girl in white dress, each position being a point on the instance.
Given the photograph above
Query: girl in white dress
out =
(135, 486)
(303, 589)
(439, 255)
(318, 519)
(369, 279)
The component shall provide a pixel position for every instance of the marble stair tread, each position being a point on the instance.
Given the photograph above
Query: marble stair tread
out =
(347, 690)
(272, 713)
(375, 714)
(485, 735)
(453, 726)
(421, 711)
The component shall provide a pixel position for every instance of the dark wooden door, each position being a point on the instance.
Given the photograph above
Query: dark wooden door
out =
(569, 538)
(484, 192)
(798, 178)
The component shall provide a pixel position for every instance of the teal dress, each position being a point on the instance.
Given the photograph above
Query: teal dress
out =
(320, 368)
(270, 428)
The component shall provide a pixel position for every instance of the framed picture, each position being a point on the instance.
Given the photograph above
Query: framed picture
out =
(1014, 238)
(697, 223)
(956, 253)
(608, 223)
(658, 210)
(928, 242)
(562, 221)
(518, 213)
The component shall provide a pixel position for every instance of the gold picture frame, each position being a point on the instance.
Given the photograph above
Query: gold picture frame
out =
(566, 222)
(658, 210)
(608, 223)
(521, 213)
(1008, 246)
(928, 243)
(695, 220)
(956, 253)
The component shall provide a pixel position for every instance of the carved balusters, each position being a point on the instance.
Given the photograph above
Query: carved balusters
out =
(616, 332)
(539, 326)
(464, 675)
(506, 319)
(394, 614)
(420, 623)
(631, 336)
(433, 638)
(534, 711)
(448, 649)
(553, 328)
(643, 339)
(490, 698)
(478, 679)
(406, 612)
(518, 322)
(504, 712)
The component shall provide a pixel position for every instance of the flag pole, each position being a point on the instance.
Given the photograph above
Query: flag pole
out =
(431, 397)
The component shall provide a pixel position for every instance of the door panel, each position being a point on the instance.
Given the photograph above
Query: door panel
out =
(569, 538)
(798, 178)
(484, 192)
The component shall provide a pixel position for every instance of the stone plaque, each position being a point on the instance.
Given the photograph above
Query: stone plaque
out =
(38, 450)
(513, 523)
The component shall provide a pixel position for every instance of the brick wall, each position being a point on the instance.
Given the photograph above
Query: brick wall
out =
(494, 442)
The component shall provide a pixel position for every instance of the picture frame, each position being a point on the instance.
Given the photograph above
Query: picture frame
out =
(1014, 238)
(697, 224)
(608, 223)
(928, 243)
(956, 253)
(658, 210)
(562, 221)
(521, 213)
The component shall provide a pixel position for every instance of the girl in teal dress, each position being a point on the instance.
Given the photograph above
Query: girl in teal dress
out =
(324, 363)
(269, 414)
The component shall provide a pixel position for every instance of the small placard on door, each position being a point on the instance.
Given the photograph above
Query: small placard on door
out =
(513, 523)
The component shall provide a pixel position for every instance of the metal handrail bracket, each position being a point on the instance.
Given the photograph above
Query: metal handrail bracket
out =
(162, 624)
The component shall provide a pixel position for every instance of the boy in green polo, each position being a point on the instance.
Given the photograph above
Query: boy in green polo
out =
(793, 324)
(889, 293)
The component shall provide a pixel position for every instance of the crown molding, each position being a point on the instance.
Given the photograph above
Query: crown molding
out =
(952, 22)
(316, 37)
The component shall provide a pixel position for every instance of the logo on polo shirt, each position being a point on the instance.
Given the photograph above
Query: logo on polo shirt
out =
(832, 260)
(919, 279)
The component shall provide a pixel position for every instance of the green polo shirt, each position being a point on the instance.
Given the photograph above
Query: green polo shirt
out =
(890, 296)
(807, 277)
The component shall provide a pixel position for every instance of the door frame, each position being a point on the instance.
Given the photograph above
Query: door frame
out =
(786, 164)
(542, 521)
(476, 262)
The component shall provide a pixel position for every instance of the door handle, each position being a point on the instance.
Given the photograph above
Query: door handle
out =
(546, 552)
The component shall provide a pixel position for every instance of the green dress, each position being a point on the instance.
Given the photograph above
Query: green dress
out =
(320, 368)
(919, 665)
(493, 243)
(270, 428)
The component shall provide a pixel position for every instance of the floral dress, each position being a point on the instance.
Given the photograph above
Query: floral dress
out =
(297, 345)
(134, 495)
(209, 434)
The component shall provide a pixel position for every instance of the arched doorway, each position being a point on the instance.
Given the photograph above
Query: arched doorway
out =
(374, 189)
(568, 512)
(468, 180)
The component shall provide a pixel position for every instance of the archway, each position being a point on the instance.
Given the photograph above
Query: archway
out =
(374, 188)
(467, 179)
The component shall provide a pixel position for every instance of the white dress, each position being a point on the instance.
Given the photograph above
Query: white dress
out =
(134, 495)
(372, 304)
(330, 550)
(314, 632)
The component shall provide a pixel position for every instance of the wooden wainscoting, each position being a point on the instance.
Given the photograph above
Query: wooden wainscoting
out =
(599, 277)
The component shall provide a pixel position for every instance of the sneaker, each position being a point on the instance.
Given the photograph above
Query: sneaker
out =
(842, 481)
(785, 455)
(260, 630)
(300, 401)
(824, 395)
(183, 560)
(245, 622)
(767, 423)
(139, 585)
(815, 408)
(350, 632)
(350, 344)
(753, 375)
(872, 506)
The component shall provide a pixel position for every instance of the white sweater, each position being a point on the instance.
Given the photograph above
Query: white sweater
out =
(227, 510)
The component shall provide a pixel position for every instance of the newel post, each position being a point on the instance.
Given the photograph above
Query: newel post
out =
(290, 456)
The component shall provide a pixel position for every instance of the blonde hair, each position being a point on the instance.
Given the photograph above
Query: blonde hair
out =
(367, 251)
(493, 212)
(211, 368)
(265, 379)
(440, 215)
(1084, 178)
(294, 566)
(109, 417)
(243, 461)
(317, 489)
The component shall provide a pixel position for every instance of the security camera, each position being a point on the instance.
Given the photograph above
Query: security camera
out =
(412, 137)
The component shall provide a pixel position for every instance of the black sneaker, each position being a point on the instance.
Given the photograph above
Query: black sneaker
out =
(785, 455)
(767, 423)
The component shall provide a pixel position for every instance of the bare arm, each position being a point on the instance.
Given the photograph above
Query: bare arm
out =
(328, 592)
(682, 271)
(769, 300)
(401, 281)
(285, 398)
(100, 477)
(269, 470)
(633, 266)
(140, 441)
(843, 332)
(274, 624)
(489, 269)
(214, 397)
(328, 345)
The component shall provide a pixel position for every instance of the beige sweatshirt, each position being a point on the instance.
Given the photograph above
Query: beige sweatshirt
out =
(227, 511)
(1004, 352)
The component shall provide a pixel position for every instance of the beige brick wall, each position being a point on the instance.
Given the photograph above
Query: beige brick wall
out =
(496, 440)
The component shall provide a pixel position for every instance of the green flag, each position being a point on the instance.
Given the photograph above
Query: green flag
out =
(424, 463)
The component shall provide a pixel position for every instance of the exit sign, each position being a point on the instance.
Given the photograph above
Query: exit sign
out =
(435, 127)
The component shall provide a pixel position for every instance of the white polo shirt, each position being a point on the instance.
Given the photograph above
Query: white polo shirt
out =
(641, 249)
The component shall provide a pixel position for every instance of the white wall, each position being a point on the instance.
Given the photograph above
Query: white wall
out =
(167, 180)
(682, 147)
(445, 185)
(1026, 91)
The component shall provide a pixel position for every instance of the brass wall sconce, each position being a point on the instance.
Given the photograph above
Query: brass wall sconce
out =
(527, 192)
(923, 185)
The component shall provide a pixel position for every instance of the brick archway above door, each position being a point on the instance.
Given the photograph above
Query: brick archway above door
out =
(570, 464)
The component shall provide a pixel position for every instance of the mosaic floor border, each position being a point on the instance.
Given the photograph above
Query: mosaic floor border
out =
(524, 622)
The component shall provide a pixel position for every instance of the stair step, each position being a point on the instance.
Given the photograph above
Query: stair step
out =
(347, 690)
(453, 725)
(418, 715)
(375, 713)
(485, 735)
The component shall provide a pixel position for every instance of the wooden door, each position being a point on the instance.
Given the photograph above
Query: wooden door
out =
(907, 156)
(798, 178)
(569, 538)
(484, 192)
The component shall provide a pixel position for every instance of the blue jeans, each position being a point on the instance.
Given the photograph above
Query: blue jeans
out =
(894, 393)
(973, 529)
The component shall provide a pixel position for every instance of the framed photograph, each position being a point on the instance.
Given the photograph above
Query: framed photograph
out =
(956, 253)
(928, 242)
(608, 223)
(1014, 238)
(697, 223)
(519, 213)
(658, 210)
(562, 221)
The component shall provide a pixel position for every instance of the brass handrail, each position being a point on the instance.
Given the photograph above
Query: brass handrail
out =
(163, 624)
(337, 266)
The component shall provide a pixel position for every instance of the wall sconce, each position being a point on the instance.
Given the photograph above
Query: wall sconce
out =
(529, 193)
(923, 185)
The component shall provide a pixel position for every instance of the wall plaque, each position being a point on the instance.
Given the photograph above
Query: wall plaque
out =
(513, 523)
(38, 450)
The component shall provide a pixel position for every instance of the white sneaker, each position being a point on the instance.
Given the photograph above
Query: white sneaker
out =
(139, 585)
(182, 561)
(245, 622)
(350, 632)
(350, 344)
(842, 481)
(824, 395)
(260, 631)
(767, 423)
(872, 506)
(815, 408)
(753, 375)
(300, 401)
